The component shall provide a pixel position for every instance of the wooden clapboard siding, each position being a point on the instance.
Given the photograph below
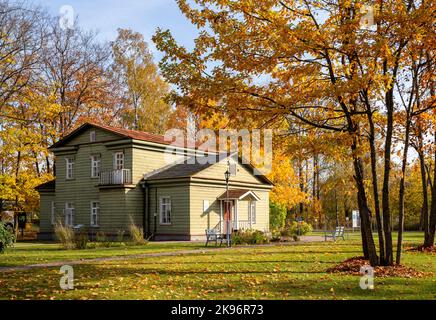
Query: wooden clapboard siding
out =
(119, 203)
(82, 189)
(180, 208)
(100, 136)
(217, 172)
(113, 213)
(46, 199)
(262, 211)
(201, 220)
(146, 160)
(243, 210)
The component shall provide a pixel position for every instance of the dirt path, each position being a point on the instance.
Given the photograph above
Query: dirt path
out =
(147, 255)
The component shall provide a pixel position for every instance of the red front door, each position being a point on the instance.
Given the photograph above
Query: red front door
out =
(228, 214)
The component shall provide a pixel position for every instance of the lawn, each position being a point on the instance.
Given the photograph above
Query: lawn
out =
(35, 253)
(260, 272)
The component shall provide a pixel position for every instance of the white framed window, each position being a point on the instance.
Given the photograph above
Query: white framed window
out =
(165, 210)
(118, 160)
(206, 205)
(53, 212)
(95, 166)
(95, 213)
(69, 214)
(92, 136)
(70, 168)
(252, 211)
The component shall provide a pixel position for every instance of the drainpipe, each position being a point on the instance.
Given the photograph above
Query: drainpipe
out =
(146, 209)
(155, 212)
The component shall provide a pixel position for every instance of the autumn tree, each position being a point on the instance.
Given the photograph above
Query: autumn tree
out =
(320, 65)
(141, 89)
(74, 67)
(22, 38)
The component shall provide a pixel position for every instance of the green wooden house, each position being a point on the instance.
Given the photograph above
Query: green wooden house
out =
(107, 177)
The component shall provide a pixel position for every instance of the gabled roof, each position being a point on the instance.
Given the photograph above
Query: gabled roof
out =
(188, 167)
(181, 169)
(239, 194)
(126, 133)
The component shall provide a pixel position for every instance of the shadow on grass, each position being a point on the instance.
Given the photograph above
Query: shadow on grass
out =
(226, 262)
(296, 284)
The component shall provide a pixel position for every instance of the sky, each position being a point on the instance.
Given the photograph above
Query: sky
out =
(144, 16)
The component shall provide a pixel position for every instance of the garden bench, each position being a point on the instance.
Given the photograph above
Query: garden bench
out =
(337, 233)
(213, 235)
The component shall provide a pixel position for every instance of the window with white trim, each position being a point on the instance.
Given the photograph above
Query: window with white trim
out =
(70, 168)
(118, 160)
(92, 136)
(252, 211)
(95, 213)
(69, 214)
(95, 166)
(165, 210)
(53, 213)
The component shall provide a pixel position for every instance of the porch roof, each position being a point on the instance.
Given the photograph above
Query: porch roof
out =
(239, 194)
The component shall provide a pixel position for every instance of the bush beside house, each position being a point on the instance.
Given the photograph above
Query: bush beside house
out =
(7, 238)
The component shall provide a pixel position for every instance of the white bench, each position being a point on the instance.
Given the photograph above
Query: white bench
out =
(337, 233)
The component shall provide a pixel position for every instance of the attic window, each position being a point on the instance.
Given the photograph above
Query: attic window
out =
(232, 167)
(92, 136)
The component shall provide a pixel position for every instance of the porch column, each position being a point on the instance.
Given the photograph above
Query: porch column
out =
(236, 214)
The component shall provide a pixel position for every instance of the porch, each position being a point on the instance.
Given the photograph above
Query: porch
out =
(238, 209)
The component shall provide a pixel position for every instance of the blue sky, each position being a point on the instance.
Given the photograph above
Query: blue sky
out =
(143, 16)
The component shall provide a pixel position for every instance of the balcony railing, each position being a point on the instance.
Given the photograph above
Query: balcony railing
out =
(243, 225)
(237, 225)
(115, 177)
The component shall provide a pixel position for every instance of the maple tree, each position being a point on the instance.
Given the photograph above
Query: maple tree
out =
(52, 79)
(318, 65)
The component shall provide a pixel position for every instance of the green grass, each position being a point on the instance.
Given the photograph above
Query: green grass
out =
(34, 253)
(268, 272)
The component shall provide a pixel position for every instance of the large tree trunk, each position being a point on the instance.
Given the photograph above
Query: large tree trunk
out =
(402, 192)
(429, 239)
(381, 241)
(387, 228)
(368, 244)
(424, 210)
(301, 182)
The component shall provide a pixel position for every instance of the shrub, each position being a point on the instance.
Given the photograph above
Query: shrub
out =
(277, 215)
(136, 235)
(120, 235)
(81, 239)
(276, 235)
(65, 235)
(7, 238)
(296, 229)
(102, 239)
(249, 237)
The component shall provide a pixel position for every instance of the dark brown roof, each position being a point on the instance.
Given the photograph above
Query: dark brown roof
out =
(235, 194)
(127, 133)
(48, 186)
(190, 167)
(184, 169)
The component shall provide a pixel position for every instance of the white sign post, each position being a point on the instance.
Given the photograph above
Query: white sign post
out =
(356, 219)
